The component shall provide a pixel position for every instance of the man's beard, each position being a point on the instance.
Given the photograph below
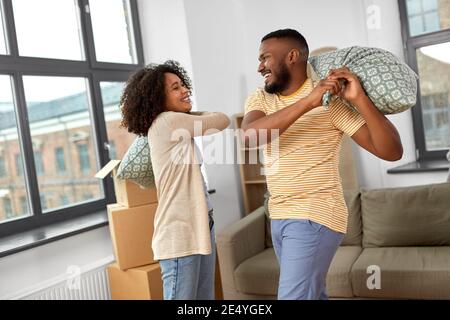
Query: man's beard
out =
(283, 79)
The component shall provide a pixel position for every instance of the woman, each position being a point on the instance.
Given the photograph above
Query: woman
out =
(156, 102)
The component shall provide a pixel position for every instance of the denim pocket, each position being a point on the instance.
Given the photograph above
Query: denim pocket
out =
(316, 226)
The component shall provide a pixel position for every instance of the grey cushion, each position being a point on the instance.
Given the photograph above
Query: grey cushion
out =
(388, 82)
(353, 237)
(260, 273)
(136, 164)
(407, 216)
(405, 273)
(338, 277)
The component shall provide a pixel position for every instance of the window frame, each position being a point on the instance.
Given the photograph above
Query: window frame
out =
(16, 67)
(410, 45)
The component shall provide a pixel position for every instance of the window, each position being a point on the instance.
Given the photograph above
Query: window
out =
(2, 167)
(63, 200)
(54, 58)
(39, 162)
(60, 161)
(42, 33)
(19, 168)
(83, 156)
(43, 202)
(7, 207)
(119, 139)
(12, 185)
(426, 33)
(3, 47)
(425, 16)
(58, 108)
(23, 205)
(87, 196)
(112, 150)
(113, 17)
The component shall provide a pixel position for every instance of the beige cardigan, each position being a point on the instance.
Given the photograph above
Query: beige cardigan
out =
(181, 220)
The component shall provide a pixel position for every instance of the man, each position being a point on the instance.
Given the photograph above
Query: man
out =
(307, 208)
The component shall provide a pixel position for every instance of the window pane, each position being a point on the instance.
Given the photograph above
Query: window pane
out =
(39, 162)
(414, 7)
(60, 160)
(416, 25)
(64, 200)
(426, 16)
(431, 22)
(434, 67)
(119, 138)
(3, 46)
(113, 31)
(59, 120)
(429, 5)
(13, 193)
(48, 29)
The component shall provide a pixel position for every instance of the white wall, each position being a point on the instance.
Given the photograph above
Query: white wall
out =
(164, 32)
(26, 271)
(220, 85)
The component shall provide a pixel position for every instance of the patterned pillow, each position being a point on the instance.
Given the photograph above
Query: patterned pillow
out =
(136, 164)
(388, 82)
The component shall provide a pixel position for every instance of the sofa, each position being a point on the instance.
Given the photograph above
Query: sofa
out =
(397, 246)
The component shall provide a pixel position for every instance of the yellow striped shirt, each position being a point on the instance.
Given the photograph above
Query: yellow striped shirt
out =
(303, 178)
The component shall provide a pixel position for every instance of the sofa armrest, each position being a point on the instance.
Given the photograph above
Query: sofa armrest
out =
(238, 242)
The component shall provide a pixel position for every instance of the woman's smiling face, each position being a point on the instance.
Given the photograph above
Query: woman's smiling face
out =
(177, 95)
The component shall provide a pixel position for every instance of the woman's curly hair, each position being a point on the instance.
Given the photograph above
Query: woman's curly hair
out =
(144, 95)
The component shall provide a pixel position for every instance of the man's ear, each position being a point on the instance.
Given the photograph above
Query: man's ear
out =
(293, 56)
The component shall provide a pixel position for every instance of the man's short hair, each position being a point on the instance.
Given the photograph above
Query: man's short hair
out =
(293, 35)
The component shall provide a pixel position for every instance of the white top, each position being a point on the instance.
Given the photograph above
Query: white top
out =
(181, 220)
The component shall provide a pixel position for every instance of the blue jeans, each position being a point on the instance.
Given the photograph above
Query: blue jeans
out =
(304, 250)
(190, 277)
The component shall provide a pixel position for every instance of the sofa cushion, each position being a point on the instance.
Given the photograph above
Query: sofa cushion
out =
(405, 272)
(408, 216)
(260, 273)
(353, 236)
(338, 277)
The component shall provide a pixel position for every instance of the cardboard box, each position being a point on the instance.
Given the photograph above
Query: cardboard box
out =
(131, 233)
(128, 193)
(141, 283)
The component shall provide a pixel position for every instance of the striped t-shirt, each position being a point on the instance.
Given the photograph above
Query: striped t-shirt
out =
(303, 176)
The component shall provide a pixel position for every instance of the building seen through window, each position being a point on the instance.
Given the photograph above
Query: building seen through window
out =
(426, 36)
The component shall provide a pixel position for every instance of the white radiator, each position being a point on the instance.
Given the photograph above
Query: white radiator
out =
(87, 283)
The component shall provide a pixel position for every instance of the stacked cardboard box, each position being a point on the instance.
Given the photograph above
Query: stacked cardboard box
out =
(135, 275)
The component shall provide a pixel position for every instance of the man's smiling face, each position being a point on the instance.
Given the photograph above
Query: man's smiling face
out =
(272, 66)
